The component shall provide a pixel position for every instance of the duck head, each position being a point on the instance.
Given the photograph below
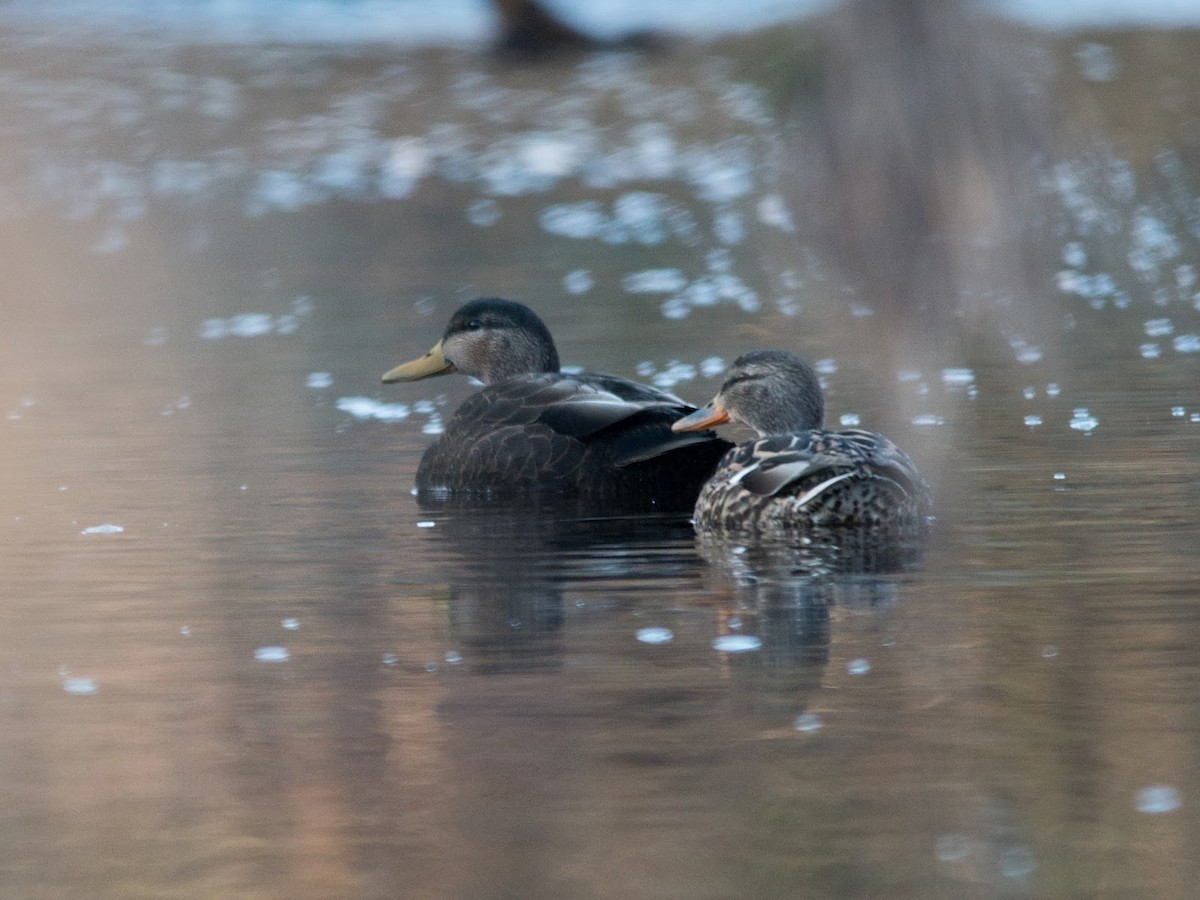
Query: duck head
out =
(489, 339)
(772, 391)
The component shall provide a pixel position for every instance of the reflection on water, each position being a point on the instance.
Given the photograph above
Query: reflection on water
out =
(237, 658)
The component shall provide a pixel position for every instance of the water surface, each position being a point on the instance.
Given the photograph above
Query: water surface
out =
(238, 659)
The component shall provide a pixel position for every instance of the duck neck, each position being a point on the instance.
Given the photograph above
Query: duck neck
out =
(522, 354)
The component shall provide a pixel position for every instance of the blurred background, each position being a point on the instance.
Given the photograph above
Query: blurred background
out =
(237, 659)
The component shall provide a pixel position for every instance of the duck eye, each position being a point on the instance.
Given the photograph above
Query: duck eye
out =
(474, 325)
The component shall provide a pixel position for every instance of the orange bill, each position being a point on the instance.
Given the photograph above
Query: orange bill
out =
(706, 417)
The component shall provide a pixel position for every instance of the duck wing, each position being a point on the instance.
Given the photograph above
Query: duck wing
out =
(814, 461)
(631, 421)
(595, 435)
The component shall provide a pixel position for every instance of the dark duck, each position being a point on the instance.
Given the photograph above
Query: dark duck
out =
(535, 429)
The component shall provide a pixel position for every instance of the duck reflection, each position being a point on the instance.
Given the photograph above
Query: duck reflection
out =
(788, 589)
(508, 562)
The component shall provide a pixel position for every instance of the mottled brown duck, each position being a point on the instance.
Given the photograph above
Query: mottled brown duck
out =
(535, 429)
(798, 475)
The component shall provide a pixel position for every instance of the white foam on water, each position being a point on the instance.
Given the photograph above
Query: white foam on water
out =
(858, 666)
(1158, 799)
(368, 408)
(737, 643)
(80, 686)
(655, 635)
(106, 528)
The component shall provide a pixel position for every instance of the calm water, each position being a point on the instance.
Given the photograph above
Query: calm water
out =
(237, 659)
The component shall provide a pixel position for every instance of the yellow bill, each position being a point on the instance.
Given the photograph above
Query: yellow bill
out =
(432, 363)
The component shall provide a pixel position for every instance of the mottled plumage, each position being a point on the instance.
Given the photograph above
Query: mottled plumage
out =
(535, 429)
(798, 475)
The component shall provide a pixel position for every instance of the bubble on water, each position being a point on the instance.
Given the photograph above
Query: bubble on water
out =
(408, 160)
(675, 308)
(773, 211)
(1096, 61)
(655, 635)
(850, 420)
(1060, 476)
(185, 630)
(291, 624)
(279, 190)
(1153, 244)
(1158, 327)
(106, 528)
(452, 658)
(318, 380)
(1178, 412)
(858, 666)
(1187, 343)
(367, 408)
(1074, 255)
(957, 377)
(737, 643)
(578, 281)
(581, 220)
(807, 723)
(433, 426)
(79, 685)
(1017, 862)
(248, 325)
(1082, 420)
(1049, 652)
(390, 659)
(426, 524)
(734, 622)
(712, 366)
(272, 654)
(952, 847)
(1033, 421)
(1150, 351)
(673, 374)
(789, 306)
(483, 213)
(721, 177)
(928, 419)
(1026, 353)
(1029, 393)
(1053, 390)
(729, 227)
(654, 281)
(642, 216)
(1157, 799)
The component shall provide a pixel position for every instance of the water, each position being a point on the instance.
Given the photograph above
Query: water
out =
(237, 658)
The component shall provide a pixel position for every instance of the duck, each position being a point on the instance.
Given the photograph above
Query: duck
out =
(798, 476)
(534, 429)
